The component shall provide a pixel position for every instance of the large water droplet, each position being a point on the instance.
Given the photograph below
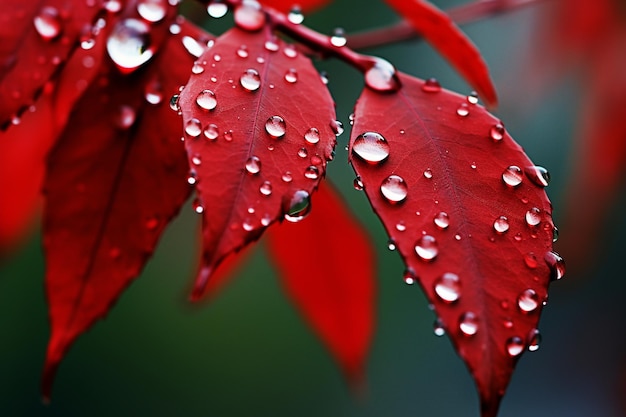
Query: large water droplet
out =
(533, 217)
(427, 248)
(195, 48)
(217, 9)
(206, 100)
(130, 45)
(250, 80)
(448, 287)
(48, 23)
(193, 127)
(442, 220)
(556, 264)
(382, 76)
(496, 132)
(512, 176)
(249, 15)
(528, 301)
(275, 126)
(394, 189)
(514, 346)
(339, 38)
(295, 15)
(253, 165)
(371, 147)
(299, 206)
(211, 132)
(152, 10)
(468, 323)
(501, 224)
(291, 76)
(534, 340)
(463, 110)
(312, 136)
(431, 85)
(539, 175)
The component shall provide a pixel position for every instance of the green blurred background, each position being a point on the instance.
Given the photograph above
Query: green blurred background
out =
(248, 353)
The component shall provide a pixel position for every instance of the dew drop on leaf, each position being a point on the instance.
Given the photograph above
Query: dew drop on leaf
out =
(428, 173)
(427, 248)
(311, 172)
(295, 15)
(530, 259)
(249, 15)
(358, 183)
(448, 287)
(266, 188)
(400, 226)
(290, 51)
(250, 80)
(253, 165)
(206, 100)
(152, 10)
(153, 92)
(287, 177)
(528, 301)
(193, 127)
(538, 175)
(468, 323)
(556, 264)
(394, 189)
(196, 159)
(130, 45)
(195, 48)
(472, 98)
(463, 110)
(211, 132)
(242, 51)
(174, 103)
(197, 206)
(112, 6)
(514, 346)
(438, 328)
(431, 85)
(291, 76)
(371, 147)
(228, 135)
(197, 68)
(312, 136)
(501, 224)
(382, 76)
(496, 133)
(275, 126)
(126, 117)
(534, 340)
(337, 127)
(48, 23)
(271, 45)
(299, 206)
(339, 38)
(442, 220)
(303, 153)
(217, 9)
(533, 217)
(409, 276)
(512, 176)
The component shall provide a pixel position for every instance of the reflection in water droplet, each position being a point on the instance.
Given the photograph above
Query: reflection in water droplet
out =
(534, 340)
(206, 100)
(193, 127)
(250, 80)
(539, 175)
(217, 9)
(48, 23)
(358, 183)
(249, 16)
(130, 45)
(468, 323)
(394, 189)
(312, 136)
(253, 165)
(528, 300)
(371, 147)
(174, 103)
(152, 10)
(556, 264)
(442, 220)
(338, 39)
(299, 206)
(427, 248)
(211, 132)
(514, 346)
(501, 224)
(533, 217)
(382, 76)
(291, 76)
(312, 173)
(431, 85)
(266, 188)
(448, 287)
(496, 132)
(287, 177)
(512, 176)
(275, 126)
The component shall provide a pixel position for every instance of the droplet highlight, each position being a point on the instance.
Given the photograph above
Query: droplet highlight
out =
(206, 100)
(394, 189)
(427, 248)
(275, 126)
(512, 176)
(371, 147)
(448, 287)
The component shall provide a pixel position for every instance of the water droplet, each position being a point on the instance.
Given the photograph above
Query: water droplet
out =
(87, 39)
(174, 29)
(448, 287)
(555, 234)
(299, 206)
(48, 23)
(295, 15)
(512, 176)
(312, 136)
(431, 85)
(275, 126)
(112, 6)
(242, 51)
(442, 220)
(217, 9)
(400, 226)
(472, 98)
(528, 301)
(196, 159)
(266, 220)
(271, 45)
(438, 328)
(228, 135)
(534, 340)
(337, 127)
(539, 175)
(153, 93)
(250, 80)
(394, 189)
(211, 132)
(125, 117)
(530, 259)
(193, 127)
(195, 48)
(358, 183)
(514, 346)
(501, 224)
(266, 188)
(130, 45)
(303, 153)
(533, 217)
(428, 173)
(463, 110)
(409, 277)
(152, 10)
(427, 248)
(287, 177)
(468, 323)
(174, 103)
(497, 132)
(338, 39)
(197, 206)
(391, 244)
(197, 68)
(291, 76)
(192, 179)
(312, 173)
(371, 147)
(206, 100)
(556, 264)
(247, 225)
(253, 165)
(382, 76)
(249, 16)
(290, 51)
(324, 77)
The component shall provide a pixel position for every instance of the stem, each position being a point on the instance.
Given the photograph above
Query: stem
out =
(403, 31)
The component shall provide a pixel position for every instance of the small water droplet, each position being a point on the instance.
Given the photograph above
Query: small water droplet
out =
(539, 175)
(448, 287)
(512, 176)
(457, 237)
(337, 127)
(358, 183)
(130, 44)
(463, 110)
(271, 45)
(153, 92)
(87, 39)
(312, 172)
(382, 76)
(175, 29)
(303, 153)
(112, 6)
(266, 188)
(197, 68)
(556, 264)
(196, 159)
(338, 39)
(192, 178)
(312, 136)
(428, 173)
(528, 300)
(427, 248)
(275, 126)
(48, 23)
(217, 9)
(371, 147)
(514, 346)
(442, 220)
(228, 135)
(431, 85)
(291, 76)
(253, 165)
(394, 189)
(193, 127)
(152, 10)
(299, 206)
(242, 51)
(250, 80)
(125, 117)
(534, 340)
(533, 217)
(211, 132)
(438, 328)
(530, 259)
(468, 323)
(249, 15)
(497, 132)
(295, 15)
(501, 224)
(472, 98)
(400, 226)
(266, 220)
(287, 177)
(290, 51)
(195, 48)
(409, 276)
(206, 100)
(247, 225)
(174, 103)
(197, 206)
(391, 244)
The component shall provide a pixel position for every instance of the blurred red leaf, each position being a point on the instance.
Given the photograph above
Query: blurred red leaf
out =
(436, 178)
(113, 183)
(246, 110)
(330, 280)
(438, 29)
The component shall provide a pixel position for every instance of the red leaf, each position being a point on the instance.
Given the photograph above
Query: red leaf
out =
(263, 98)
(113, 183)
(437, 27)
(331, 280)
(441, 195)
(37, 38)
(287, 5)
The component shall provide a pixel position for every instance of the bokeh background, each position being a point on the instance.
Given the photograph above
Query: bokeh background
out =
(248, 353)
